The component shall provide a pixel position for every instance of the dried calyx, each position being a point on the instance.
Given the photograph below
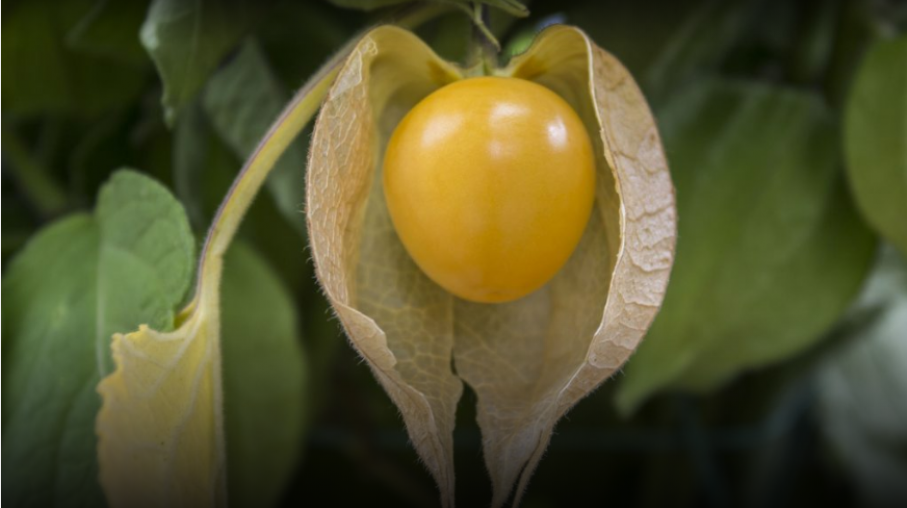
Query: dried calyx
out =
(528, 360)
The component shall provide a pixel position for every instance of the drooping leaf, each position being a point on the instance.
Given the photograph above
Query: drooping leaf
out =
(863, 389)
(242, 100)
(528, 361)
(876, 139)
(76, 283)
(161, 425)
(770, 248)
(50, 76)
(188, 39)
(264, 380)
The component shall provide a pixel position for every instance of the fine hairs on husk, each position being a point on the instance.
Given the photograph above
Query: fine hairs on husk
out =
(530, 360)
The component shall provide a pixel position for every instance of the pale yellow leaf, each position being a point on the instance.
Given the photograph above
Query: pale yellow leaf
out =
(160, 426)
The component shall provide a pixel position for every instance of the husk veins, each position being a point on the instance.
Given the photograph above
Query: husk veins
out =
(530, 360)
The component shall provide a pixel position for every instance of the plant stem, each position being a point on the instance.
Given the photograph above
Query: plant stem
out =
(488, 45)
(484, 48)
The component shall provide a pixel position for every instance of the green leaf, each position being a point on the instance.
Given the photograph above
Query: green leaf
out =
(264, 380)
(188, 40)
(242, 100)
(74, 285)
(50, 76)
(876, 139)
(770, 250)
(863, 389)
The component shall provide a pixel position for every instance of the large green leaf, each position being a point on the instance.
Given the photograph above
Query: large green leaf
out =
(863, 391)
(770, 250)
(79, 281)
(188, 39)
(242, 100)
(50, 76)
(876, 139)
(264, 380)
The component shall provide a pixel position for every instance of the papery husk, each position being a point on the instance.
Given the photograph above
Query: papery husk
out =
(387, 313)
(530, 360)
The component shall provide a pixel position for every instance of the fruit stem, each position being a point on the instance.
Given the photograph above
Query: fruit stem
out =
(484, 48)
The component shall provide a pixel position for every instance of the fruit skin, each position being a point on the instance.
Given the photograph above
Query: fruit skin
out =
(490, 182)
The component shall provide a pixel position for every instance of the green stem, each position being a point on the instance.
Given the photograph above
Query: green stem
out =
(484, 47)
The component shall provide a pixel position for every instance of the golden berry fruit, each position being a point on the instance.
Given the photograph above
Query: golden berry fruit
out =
(490, 183)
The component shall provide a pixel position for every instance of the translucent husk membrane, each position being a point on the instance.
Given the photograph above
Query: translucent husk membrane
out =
(530, 360)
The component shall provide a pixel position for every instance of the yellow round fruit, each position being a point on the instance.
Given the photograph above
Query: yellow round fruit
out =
(490, 183)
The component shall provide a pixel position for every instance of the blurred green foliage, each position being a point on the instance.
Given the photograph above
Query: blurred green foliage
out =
(761, 203)
(862, 389)
(75, 75)
(875, 129)
(188, 40)
(764, 107)
(264, 380)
